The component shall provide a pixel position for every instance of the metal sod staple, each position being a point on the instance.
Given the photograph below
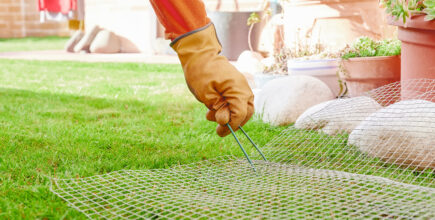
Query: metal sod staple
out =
(243, 149)
(371, 157)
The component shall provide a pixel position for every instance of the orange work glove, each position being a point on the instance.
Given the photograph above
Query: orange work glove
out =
(213, 80)
(209, 76)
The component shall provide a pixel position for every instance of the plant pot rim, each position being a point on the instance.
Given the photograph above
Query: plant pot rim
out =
(371, 58)
(313, 61)
(318, 2)
(415, 21)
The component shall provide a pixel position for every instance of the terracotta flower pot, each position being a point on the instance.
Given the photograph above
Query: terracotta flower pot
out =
(418, 54)
(363, 74)
(418, 47)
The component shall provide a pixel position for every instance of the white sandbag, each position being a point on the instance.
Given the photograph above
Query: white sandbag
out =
(73, 41)
(337, 116)
(106, 42)
(86, 41)
(284, 99)
(402, 134)
(250, 62)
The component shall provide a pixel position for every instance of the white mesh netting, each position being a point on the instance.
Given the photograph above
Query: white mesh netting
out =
(371, 156)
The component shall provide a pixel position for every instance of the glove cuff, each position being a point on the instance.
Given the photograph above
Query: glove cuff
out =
(193, 32)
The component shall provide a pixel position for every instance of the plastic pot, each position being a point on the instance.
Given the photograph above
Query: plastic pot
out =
(325, 70)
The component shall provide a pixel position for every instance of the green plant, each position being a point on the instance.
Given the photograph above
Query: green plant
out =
(403, 9)
(389, 48)
(367, 47)
(430, 9)
(303, 49)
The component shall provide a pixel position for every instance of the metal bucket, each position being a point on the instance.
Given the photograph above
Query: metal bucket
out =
(232, 30)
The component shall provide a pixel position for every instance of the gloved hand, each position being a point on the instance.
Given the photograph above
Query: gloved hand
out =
(213, 80)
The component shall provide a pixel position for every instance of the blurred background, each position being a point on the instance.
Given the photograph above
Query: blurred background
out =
(333, 23)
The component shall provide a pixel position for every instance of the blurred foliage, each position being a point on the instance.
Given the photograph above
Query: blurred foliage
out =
(367, 47)
(403, 9)
(253, 19)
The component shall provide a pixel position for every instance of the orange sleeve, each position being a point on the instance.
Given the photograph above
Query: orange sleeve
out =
(180, 16)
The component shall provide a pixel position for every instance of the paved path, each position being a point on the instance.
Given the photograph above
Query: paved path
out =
(84, 57)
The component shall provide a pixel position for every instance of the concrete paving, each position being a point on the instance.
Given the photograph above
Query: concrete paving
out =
(59, 55)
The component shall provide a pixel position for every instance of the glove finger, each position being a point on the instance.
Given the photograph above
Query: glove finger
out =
(222, 130)
(211, 115)
(223, 115)
(249, 113)
(238, 111)
(217, 114)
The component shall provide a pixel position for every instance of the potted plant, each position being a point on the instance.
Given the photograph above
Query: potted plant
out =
(368, 64)
(308, 58)
(315, 61)
(416, 29)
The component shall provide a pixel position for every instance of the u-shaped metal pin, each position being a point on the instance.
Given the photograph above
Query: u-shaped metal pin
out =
(243, 149)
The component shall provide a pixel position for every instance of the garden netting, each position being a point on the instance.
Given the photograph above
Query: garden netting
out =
(371, 156)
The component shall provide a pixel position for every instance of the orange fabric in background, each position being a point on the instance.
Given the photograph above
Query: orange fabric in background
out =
(180, 16)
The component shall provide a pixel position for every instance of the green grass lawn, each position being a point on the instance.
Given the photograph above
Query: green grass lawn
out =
(69, 119)
(32, 44)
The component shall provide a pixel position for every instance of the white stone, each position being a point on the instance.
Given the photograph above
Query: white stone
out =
(283, 100)
(262, 79)
(337, 116)
(105, 42)
(250, 62)
(402, 133)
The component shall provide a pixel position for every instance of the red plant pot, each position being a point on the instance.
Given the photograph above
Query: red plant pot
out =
(363, 74)
(418, 47)
(418, 51)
